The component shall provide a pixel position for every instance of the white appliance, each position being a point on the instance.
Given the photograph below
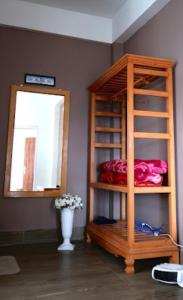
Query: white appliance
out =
(168, 273)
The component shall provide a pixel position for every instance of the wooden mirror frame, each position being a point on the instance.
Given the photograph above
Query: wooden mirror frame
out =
(50, 192)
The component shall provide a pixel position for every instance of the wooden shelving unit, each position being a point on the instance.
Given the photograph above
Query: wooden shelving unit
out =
(130, 76)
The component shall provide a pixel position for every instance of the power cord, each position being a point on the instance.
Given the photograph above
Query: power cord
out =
(156, 231)
(171, 238)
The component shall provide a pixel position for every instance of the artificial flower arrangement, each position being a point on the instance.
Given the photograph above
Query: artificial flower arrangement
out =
(68, 201)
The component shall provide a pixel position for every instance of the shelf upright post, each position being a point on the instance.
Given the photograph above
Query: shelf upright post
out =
(130, 153)
(171, 156)
(123, 153)
(92, 158)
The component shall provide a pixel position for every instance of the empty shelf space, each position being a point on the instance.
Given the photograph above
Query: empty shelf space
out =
(156, 114)
(108, 130)
(151, 135)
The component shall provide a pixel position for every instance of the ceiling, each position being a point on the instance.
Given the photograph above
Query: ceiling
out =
(102, 8)
(106, 21)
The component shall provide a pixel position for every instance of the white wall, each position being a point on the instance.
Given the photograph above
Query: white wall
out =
(54, 20)
(132, 15)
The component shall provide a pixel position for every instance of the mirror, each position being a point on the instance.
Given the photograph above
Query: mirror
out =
(37, 142)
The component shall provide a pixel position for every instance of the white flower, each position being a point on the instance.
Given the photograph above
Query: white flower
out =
(68, 200)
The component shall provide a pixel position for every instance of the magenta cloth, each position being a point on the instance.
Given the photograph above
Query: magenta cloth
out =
(145, 171)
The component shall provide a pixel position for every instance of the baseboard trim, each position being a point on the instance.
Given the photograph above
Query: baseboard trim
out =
(36, 236)
(78, 233)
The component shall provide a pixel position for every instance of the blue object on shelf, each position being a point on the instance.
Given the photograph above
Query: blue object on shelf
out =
(147, 229)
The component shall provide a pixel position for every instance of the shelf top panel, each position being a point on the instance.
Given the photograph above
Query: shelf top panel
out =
(114, 80)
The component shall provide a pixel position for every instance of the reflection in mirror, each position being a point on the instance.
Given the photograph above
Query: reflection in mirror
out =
(37, 142)
(38, 129)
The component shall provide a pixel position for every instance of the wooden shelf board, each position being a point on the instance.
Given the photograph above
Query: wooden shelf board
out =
(119, 234)
(109, 187)
(105, 145)
(108, 129)
(150, 93)
(107, 114)
(120, 229)
(113, 237)
(154, 114)
(151, 135)
(150, 72)
(124, 189)
(151, 190)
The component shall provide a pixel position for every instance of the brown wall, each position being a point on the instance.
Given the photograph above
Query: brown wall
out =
(75, 63)
(117, 51)
(162, 36)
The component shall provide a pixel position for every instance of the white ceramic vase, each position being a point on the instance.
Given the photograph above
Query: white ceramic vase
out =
(67, 216)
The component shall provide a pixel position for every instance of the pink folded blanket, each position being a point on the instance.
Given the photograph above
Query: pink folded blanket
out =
(120, 166)
(118, 178)
(144, 170)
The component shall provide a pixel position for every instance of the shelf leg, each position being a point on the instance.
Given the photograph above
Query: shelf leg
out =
(88, 238)
(129, 261)
(174, 259)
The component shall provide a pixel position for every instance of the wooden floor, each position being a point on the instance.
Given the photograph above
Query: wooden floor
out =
(87, 273)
